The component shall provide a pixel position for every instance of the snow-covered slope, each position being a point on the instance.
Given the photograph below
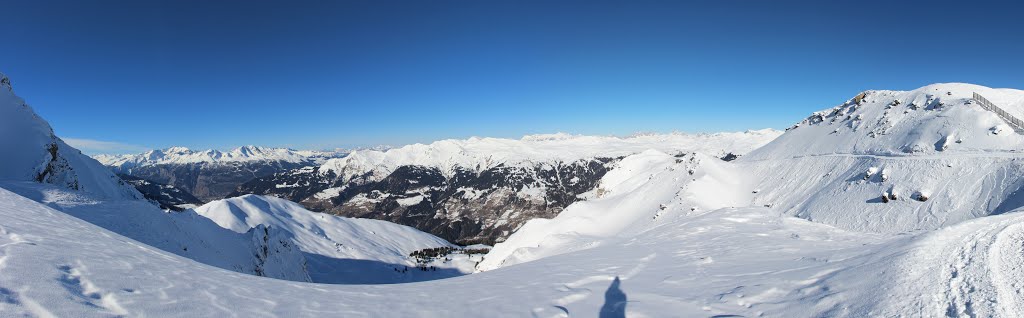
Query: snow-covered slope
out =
(729, 262)
(262, 252)
(31, 152)
(478, 190)
(337, 249)
(644, 191)
(833, 168)
(937, 157)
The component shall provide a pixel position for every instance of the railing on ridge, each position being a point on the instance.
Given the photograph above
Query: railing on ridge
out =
(1017, 124)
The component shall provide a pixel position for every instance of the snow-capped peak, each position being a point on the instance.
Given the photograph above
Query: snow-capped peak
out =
(251, 151)
(181, 150)
(927, 120)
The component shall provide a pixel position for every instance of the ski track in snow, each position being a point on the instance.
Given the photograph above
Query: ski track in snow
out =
(984, 271)
(968, 270)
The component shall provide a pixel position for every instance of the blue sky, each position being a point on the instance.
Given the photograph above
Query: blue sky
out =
(121, 76)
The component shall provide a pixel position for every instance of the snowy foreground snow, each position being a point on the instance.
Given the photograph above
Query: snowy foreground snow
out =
(891, 204)
(746, 261)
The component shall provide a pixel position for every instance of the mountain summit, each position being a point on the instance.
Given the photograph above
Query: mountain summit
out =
(928, 120)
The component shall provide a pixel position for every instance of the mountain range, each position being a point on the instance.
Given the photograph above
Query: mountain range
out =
(211, 174)
(892, 203)
(471, 191)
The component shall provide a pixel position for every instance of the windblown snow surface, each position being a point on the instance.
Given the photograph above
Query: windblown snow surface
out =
(796, 229)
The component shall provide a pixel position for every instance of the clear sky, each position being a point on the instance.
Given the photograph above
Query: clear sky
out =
(122, 76)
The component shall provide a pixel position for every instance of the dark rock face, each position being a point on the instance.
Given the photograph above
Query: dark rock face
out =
(167, 196)
(208, 181)
(54, 167)
(462, 206)
(294, 185)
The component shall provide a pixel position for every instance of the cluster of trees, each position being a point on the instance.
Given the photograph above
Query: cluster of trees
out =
(421, 267)
(430, 254)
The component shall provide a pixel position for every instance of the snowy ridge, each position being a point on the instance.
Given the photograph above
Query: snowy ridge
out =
(186, 233)
(31, 152)
(183, 155)
(930, 119)
(323, 237)
(478, 154)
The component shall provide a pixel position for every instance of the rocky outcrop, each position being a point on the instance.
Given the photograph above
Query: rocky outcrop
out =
(276, 255)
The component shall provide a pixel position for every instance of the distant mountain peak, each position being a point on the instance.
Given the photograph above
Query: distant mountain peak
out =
(177, 149)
